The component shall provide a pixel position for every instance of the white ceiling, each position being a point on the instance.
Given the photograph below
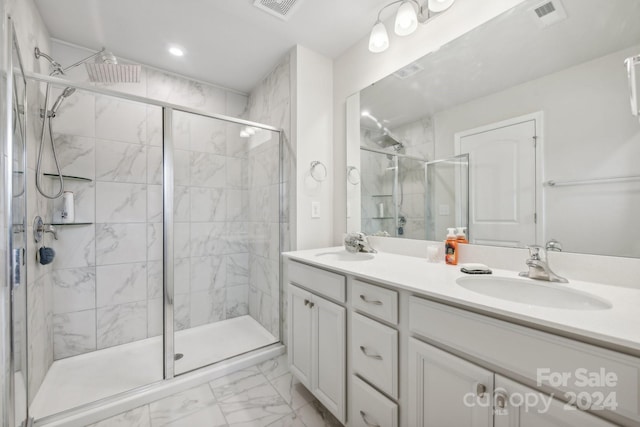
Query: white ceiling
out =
(228, 42)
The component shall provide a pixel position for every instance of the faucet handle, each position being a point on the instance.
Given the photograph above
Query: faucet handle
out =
(536, 252)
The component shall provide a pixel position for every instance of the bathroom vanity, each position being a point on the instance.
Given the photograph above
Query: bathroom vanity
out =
(393, 340)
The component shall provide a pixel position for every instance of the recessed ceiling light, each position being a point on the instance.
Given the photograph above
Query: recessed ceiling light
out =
(176, 51)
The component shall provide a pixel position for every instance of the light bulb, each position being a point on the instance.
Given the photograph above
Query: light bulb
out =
(406, 19)
(438, 6)
(379, 39)
(176, 51)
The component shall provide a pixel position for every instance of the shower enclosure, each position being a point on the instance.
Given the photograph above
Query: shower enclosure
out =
(172, 260)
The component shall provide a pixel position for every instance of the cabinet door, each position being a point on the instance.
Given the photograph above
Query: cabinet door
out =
(447, 391)
(520, 406)
(300, 338)
(330, 337)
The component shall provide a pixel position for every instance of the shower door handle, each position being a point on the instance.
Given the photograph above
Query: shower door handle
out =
(17, 257)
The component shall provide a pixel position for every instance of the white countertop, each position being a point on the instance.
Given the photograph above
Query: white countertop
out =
(618, 326)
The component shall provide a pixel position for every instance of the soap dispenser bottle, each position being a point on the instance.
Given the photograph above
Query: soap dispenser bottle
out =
(461, 235)
(451, 247)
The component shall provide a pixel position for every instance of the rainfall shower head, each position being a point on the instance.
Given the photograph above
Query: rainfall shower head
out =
(106, 69)
(65, 94)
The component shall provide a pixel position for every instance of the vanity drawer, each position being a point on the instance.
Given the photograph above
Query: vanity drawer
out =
(370, 408)
(374, 347)
(375, 300)
(528, 352)
(320, 281)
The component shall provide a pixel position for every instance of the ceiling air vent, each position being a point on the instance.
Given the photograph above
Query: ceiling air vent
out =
(282, 9)
(408, 71)
(548, 13)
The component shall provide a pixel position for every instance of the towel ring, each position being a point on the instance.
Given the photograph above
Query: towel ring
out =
(316, 166)
(353, 175)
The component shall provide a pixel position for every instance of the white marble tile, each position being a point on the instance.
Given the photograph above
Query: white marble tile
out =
(154, 203)
(292, 391)
(182, 168)
(259, 406)
(207, 307)
(237, 301)
(74, 289)
(209, 417)
(138, 417)
(154, 279)
(236, 145)
(181, 128)
(236, 238)
(121, 203)
(263, 273)
(207, 170)
(208, 239)
(237, 269)
(236, 104)
(75, 247)
(313, 414)
(120, 162)
(120, 243)
(275, 368)
(207, 135)
(182, 404)
(155, 165)
(208, 204)
(290, 420)
(237, 173)
(155, 250)
(182, 239)
(208, 273)
(237, 205)
(154, 125)
(120, 324)
(182, 312)
(155, 318)
(74, 333)
(181, 203)
(76, 156)
(120, 120)
(76, 115)
(181, 276)
(121, 283)
(237, 382)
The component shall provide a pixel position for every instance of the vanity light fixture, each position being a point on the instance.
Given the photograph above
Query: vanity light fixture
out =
(409, 14)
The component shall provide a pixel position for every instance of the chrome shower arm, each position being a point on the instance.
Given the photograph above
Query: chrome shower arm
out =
(82, 61)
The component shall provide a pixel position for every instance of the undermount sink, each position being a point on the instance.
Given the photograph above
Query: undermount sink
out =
(346, 256)
(525, 291)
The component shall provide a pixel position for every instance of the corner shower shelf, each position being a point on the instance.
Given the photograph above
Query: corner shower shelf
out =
(71, 223)
(76, 178)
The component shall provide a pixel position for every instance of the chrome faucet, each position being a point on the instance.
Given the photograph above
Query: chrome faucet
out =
(357, 242)
(539, 266)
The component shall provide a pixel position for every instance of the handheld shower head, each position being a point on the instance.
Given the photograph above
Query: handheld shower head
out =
(67, 92)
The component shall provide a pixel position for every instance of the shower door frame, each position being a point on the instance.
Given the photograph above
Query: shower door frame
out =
(168, 237)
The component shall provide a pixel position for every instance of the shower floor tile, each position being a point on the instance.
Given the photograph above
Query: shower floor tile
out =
(82, 379)
(255, 396)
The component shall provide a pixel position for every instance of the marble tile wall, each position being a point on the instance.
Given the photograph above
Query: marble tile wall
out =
(107, 282)
(31, 32)
(270, 103)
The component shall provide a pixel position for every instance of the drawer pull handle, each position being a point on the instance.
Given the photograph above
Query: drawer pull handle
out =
(366, 421)
(311, 304)
(363, 349)
(363, 298)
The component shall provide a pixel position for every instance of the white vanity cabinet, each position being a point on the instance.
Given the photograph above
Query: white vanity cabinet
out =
(317, 337)
(445, 390)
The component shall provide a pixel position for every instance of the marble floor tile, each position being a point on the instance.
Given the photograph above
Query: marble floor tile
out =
(292, 391)
(181, 405)
(138, 417)
(275, 368)
(259, 406)
(313, 414)
(237, 382)
(208, 417)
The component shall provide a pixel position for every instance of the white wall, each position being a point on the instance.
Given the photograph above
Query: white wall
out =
(313, 112)
(358, 68)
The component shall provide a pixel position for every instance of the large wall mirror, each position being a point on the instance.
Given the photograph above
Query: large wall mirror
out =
(521, 130)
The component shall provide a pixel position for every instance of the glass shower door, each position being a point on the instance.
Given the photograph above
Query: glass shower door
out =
(225, 239)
